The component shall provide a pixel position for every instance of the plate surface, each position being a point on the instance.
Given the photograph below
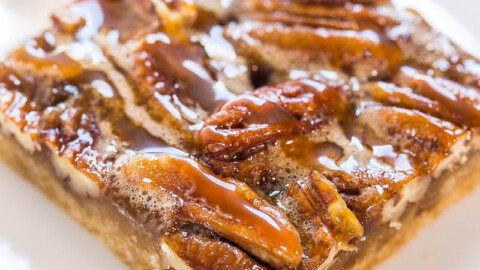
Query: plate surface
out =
(34, 234)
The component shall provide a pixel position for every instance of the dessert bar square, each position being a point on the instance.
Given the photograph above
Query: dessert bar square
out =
(257, 134)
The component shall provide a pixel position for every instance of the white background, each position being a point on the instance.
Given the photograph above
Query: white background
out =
(34, 234)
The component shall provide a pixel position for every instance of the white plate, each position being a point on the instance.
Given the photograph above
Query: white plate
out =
(34, 234)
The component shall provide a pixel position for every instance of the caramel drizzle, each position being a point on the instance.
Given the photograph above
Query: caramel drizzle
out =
(220, 193)
(234, 202)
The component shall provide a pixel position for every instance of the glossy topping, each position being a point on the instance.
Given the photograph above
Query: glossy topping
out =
(340, 2)
(457, 102)
(125, 19)
(365, 169)
(75, 128)
(363, 53)
(269, 114)
(226, 206)
(65, 111)
(328, 115)
(344, 48)
(328, 204)
(200, 252)
(41, 55)
(72, 134)
(246, 123)
(175, 74)
(312, 154)
(427, 139)
(343, 16)
(324, 197)
(15, 91)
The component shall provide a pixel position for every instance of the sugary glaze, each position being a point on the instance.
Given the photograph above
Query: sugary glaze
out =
(266, 134)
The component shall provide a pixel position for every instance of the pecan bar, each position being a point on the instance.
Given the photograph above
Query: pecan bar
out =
(257, 134)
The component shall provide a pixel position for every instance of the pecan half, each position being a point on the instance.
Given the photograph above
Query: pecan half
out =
(451, 100)
(426, 139)
(342, 16)
(73, 135)
(343, 47)
(341, 2)
(57, 64)
(269, 114)
(330, 225)
(329, 205)
(17, 106)
(172, 75)
(364, 53)
(225, 206)
(201, 252)
(85, 18)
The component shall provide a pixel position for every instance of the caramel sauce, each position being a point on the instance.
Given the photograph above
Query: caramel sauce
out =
(178, 69)
(262, 111)
(306, 98)
(363, 136)
(138, 139)
(329, 156)
(461, 103)
(191, 181)
(225, 195)
(312, 154)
